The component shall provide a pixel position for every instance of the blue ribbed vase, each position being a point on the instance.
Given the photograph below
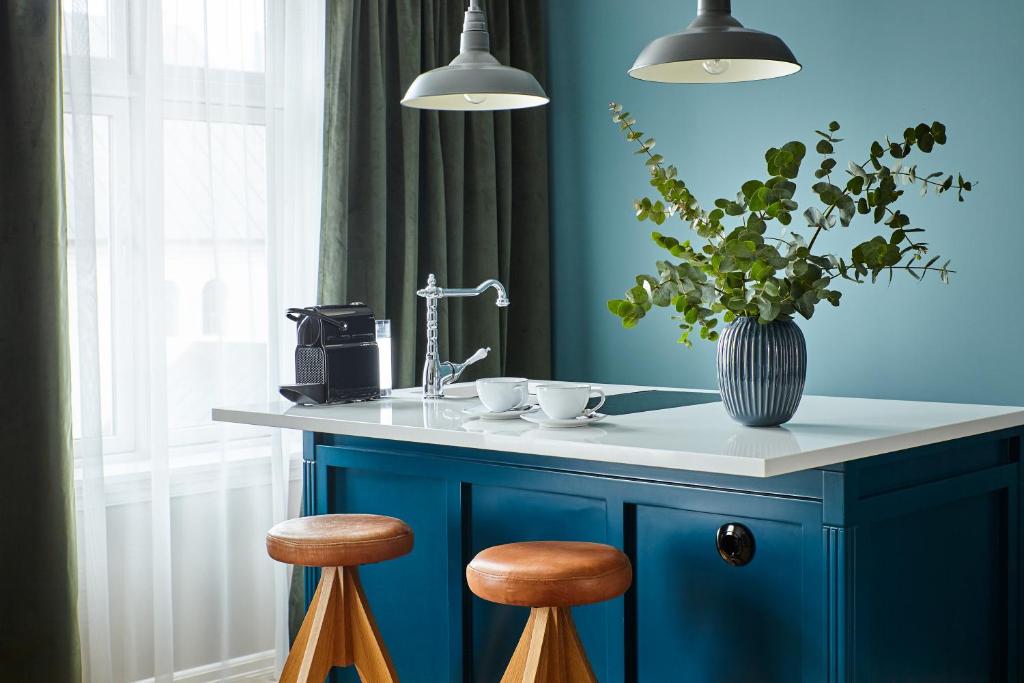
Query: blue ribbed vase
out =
(761, 371)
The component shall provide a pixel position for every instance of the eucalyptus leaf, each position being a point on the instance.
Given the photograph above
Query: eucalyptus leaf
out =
(813, 216)
(750, 187)
(846, 213)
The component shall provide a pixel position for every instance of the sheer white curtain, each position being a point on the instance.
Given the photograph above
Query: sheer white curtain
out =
(193, 162)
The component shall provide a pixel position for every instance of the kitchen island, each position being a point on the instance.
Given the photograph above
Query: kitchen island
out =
(866, 540)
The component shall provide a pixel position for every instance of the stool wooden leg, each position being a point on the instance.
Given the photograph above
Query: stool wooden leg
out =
(577, 666)
(338, 630)
(549, 651)
(369, 655)
(311, 655)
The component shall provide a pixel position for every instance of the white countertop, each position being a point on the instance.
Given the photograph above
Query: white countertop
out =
(825, 430)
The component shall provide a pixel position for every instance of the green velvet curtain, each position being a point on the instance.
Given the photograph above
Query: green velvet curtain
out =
(408, 193)
(38, 617)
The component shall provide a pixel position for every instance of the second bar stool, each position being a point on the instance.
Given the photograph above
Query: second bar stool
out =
(550, 577)
(339, 629)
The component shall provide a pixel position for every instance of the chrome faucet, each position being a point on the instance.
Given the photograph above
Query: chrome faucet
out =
(437, 373)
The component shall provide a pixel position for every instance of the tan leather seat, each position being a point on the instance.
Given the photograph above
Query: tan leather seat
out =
(549, 573)
(339, 540)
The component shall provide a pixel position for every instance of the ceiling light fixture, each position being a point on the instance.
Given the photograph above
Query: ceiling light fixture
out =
(714, 48)
(475, 80)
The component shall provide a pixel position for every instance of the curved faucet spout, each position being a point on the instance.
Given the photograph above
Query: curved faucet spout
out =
(502, 301)
(433, 291)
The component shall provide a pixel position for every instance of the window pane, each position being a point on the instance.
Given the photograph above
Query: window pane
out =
(89, 263)
(217, 34)
(219, 356)
(215, 180)
(215, 260)
(86, 27)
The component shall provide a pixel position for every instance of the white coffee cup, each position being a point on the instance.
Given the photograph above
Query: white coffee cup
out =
(565, 401)
(501, 394)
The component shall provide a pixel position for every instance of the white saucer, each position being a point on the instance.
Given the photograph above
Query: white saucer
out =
(482, 413)
(460, 390)
(551, 423)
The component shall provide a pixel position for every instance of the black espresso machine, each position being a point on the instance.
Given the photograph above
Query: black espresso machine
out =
(336, 357)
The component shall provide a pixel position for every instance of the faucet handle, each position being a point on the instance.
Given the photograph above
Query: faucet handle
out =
(453, 371)
(480, 354)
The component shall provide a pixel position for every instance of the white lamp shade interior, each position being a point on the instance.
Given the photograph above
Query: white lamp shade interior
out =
(696, 71)
(475, 101)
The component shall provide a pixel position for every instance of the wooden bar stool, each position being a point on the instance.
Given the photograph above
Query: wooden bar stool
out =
(339, 629)
(550, 577)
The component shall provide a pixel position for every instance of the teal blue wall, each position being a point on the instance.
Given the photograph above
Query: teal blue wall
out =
(876, 66)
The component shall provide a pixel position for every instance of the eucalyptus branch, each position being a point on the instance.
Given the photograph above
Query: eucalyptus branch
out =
(741, 271)
(636, 135)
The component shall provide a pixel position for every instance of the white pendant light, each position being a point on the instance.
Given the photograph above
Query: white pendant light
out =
(475, 80)
(714, 48)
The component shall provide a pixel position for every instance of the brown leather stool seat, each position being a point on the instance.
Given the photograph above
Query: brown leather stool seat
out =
(550, 577)
(339, 628)
(549, 573)
(339, 540)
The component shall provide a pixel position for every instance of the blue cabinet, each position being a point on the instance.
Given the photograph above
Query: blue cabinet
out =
(899, 567)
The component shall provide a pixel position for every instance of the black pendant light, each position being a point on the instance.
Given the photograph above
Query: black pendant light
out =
(714, 48)
(475, 80)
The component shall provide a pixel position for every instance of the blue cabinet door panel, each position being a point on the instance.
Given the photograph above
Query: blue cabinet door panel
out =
(717, 622)
(408, 595)
(508, 515)
(933, 598)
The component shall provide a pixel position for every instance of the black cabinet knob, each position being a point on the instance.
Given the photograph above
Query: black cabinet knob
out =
(735, 544)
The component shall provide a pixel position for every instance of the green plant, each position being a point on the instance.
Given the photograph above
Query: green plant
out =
(739, 270)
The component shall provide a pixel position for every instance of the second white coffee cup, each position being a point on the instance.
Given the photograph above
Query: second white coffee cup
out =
(565, 401)
(501, 394)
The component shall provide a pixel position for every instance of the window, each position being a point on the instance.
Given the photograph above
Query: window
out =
(166, 155)
(184, 251)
